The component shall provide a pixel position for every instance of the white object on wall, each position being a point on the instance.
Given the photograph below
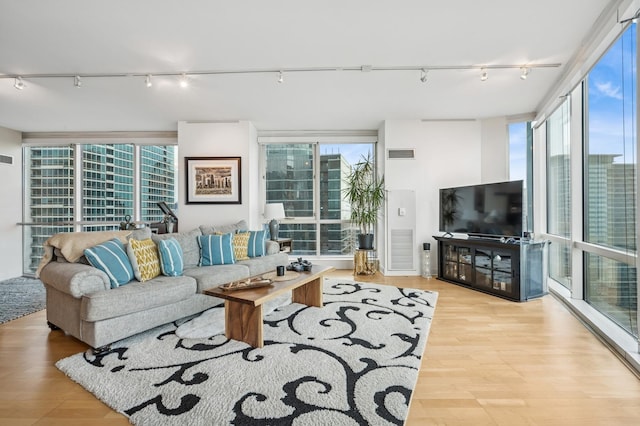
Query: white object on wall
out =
(401, 233)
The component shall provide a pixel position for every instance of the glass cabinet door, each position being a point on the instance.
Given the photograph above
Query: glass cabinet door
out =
(483, 278)
(465, 268)
(502, 271)
(458, 263)
(450, 261)
(494, 270)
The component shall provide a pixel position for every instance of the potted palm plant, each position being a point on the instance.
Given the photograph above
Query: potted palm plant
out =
(365, 193)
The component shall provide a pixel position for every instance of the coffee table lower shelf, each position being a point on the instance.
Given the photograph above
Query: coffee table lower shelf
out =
(243, 308)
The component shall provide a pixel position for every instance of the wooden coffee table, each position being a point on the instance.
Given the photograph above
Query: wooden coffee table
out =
(243, 308)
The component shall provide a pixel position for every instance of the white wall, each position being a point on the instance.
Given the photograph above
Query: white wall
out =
(495, 150)
(447, 153)
(234, 139)
(11, 207)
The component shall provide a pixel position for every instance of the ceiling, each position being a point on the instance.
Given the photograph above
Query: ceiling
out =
(160, 36)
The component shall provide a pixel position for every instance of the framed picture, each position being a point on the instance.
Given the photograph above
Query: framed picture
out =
(213, 180)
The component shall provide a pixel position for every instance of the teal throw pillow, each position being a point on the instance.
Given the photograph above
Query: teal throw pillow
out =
(216, 249)
(171, 261)
(111, 258)
(256, 246)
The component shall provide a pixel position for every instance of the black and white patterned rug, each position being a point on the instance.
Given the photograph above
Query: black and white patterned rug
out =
(353, 362)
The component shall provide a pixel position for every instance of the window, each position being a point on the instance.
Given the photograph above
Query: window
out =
(610, 147)
(49, 193)
(158, 180)
(559, 194)
(521, 164)
(106, 178)
(107, 184)
(308, 178)
(610, 182)
(518, 150)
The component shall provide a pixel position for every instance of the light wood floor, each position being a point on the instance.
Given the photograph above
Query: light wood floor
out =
(488, 362)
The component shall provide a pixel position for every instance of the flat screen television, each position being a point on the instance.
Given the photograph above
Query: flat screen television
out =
(488, 210)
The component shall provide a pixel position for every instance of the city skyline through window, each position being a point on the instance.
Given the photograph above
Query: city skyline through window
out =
(105, 174)
(318, 217)
(610, 151)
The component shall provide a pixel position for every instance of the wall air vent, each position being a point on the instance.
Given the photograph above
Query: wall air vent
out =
(6, 159)
(401, 154)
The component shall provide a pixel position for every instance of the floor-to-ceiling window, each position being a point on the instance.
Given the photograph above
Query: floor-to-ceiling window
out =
(107, 184)
(49, 194)
(610, 183)
(521, 165)
(92, 187)
(518, 150)
(308, 178)
(559, 194)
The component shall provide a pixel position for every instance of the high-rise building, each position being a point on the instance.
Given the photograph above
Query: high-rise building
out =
(157, 180)
(610, 201)
(290, 180)
(107, 185)
(49, 195)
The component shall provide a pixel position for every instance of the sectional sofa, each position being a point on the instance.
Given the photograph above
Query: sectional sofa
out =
(83, 301)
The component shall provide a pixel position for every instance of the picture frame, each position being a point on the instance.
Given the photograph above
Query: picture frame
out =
(213, 180)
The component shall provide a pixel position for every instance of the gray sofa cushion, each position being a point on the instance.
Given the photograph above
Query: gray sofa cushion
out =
(189, 243)
(224, 229)
(213, 276)
(261, 265)
(135, 297)
(272, 247)
(140, 234)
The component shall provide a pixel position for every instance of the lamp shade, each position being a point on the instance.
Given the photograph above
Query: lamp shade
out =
(274, 211)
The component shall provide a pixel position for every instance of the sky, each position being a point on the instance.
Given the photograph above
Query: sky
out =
(518, 151)
(351, 152)
(612, 100)
(611, 108)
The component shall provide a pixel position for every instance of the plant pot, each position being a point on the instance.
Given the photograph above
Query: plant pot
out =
(365, 241)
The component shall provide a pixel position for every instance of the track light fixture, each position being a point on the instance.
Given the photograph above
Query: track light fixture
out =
(18, 83)
(184, 81)
(184, 77)
(423, 75)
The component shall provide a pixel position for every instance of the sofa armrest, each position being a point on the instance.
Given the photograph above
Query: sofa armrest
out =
(272, 247)
(75, 279)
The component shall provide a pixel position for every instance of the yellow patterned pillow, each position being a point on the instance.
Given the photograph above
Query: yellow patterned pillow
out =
(143, 255)
(241, 245)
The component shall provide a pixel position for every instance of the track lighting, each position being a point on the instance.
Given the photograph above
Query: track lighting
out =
(184, 81)
(18, 83)
(423, 75)
(184, 77)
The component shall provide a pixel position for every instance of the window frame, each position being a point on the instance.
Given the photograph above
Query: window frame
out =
(316, 141)
(76, 142)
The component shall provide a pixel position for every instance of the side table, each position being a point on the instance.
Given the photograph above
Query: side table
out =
(286, 244)
(365, 262)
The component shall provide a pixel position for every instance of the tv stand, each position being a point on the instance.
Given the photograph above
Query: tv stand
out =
(513, 270)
